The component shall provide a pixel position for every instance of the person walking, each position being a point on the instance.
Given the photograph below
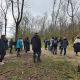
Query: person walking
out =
(64, 44)
(55, 44)
(27, 44)
(18, 46)
(46, 43)
(36, 47)
(2, 49)
(11, 43)
(77, 45)
(51, 45)
(59, 43)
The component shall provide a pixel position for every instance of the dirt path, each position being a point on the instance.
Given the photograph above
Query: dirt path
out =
(25, 68)
(71, 56)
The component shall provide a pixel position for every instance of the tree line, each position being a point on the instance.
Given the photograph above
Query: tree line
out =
(65, 19)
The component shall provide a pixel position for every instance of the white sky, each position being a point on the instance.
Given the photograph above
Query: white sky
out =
(39, 7)
(36, 8)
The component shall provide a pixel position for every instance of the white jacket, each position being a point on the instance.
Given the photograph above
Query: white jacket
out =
(77, 41)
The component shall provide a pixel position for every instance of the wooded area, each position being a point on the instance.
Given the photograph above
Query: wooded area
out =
(65, 19)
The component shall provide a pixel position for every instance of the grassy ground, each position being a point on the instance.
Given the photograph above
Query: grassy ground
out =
(51, 67)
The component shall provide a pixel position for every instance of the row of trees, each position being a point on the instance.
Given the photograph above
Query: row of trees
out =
(65, 19)
(16, 6)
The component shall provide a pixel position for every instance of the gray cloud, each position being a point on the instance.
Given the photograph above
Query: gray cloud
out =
(38, 7)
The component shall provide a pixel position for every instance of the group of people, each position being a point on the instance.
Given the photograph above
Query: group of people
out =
(62, 43)
(50, 44)
(36, 46)
(18, 45)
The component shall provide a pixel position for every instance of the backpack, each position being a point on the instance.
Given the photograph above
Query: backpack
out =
(55, 42)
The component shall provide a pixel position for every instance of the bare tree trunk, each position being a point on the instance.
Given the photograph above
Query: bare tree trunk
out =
(19, 15)
(5, 25)
(55, 15)
(17, 27)
(73, 13)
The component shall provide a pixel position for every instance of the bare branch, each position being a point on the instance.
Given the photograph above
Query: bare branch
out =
(58, 12)
(13, 11)
(18, 10)
(21, 10)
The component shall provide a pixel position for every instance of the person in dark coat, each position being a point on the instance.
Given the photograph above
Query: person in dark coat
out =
(51, 45)
(27, 44)
(64, 44)
(45, 43)
(2, 49)
(48, 44)
(6, 42)
(77, 45)
(55, 44)
(11, 43)
(59, 43)
(36, 47)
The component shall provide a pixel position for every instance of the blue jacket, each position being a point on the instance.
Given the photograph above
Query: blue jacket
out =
(64, 43)
(18, 43)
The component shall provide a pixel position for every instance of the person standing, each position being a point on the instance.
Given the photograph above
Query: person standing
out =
(55, 44)
(11, 45)
(18, 46)
(51, 45)
(64, 44)
(27, 44)
(36, 47)
(59, 43)
(77, 45)
(2, 49)
(45, 43)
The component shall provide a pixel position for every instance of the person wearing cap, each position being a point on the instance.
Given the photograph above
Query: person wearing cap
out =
(36, 47)
(64, 44)
(77, 45)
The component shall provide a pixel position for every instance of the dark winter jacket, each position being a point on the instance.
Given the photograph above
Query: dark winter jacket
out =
(77, 47)
(27, 45)
(64, 43)
(55, 43)
(46, 43)
(2, 45)
(11, 43)
(36, 43)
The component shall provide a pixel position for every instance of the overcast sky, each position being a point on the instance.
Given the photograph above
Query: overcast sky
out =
(35, 8)
(39, 7)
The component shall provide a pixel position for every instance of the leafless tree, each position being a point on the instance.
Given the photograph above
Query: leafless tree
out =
(4, 11)
(74, 10)
(24, 28)
(1, 26)
(19, 14)
(44, 20)
(55, 14)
